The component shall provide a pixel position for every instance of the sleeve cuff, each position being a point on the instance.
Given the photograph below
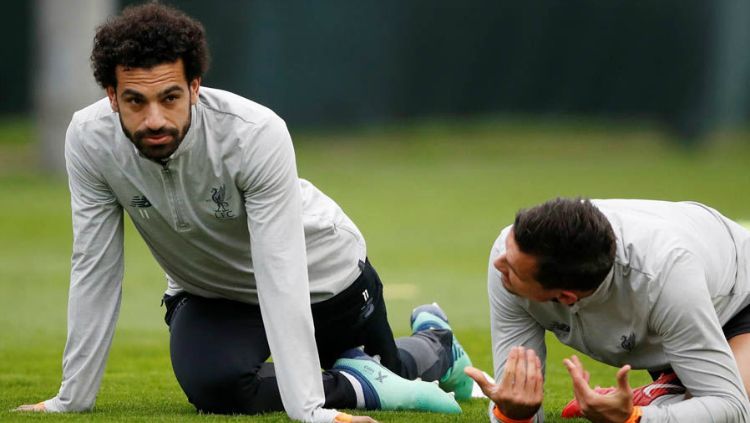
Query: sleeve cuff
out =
(53, 405)
(505, 419)
(635, 415)
(324, 415)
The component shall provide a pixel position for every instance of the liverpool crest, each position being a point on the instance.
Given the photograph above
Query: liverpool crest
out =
(219, 197)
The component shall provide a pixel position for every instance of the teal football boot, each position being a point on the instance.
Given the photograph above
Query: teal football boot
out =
(431, 316)
(385, 390)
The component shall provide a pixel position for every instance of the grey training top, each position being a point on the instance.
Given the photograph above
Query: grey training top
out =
(226, 217)
(681, 271)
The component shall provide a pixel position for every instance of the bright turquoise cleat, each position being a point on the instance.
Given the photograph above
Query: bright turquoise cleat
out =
(431, 316)
(386, 390)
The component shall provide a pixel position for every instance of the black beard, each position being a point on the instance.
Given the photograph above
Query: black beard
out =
(158, 153)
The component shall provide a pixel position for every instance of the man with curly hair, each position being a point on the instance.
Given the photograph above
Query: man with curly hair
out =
(255, 258)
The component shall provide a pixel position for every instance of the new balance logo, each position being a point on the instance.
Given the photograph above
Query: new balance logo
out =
(141, 203)
(560, 327)
(627, 342)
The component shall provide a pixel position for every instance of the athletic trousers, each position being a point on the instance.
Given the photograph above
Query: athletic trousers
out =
(219, 348)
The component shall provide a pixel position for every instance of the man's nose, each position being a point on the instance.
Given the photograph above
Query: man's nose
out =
(499, 263)
(155, 117)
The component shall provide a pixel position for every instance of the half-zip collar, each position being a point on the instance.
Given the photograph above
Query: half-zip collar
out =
(600, 294)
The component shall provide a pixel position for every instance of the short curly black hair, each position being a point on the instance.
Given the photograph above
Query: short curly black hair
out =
(147, 35)
(572, 241)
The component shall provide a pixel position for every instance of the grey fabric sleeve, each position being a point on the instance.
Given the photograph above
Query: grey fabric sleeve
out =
(694, 344)
(510, 324)
(95, 281)
(274, 211)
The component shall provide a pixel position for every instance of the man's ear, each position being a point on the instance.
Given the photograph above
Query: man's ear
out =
(195, 85)
(567, 297)
(112, 94)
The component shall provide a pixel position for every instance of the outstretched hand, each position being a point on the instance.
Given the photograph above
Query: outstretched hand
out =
(614, 407)
(38, 407)
(520, 392)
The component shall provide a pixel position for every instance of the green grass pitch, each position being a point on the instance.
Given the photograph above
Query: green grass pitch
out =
(430, 199)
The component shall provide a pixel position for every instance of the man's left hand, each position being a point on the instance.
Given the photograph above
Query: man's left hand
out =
(39, 407)
(614, 407)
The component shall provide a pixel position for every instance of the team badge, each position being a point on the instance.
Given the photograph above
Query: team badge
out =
(220, 199)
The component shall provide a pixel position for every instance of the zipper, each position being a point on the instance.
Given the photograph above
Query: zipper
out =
(175, 202)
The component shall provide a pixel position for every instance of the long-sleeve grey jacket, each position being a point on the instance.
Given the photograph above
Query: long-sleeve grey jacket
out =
(225, 217)
(681, 271)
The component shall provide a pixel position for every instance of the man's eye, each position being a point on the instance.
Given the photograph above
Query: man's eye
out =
(135, 101)
(170, 98)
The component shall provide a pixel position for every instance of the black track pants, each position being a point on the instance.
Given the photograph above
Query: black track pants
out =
(219, 348)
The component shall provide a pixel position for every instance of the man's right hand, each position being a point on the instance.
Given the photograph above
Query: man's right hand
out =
(39, 407)
(348, 418)
(519, 394)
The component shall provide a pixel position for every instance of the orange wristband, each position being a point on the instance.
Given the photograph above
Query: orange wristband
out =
(343, 418)
(635, 415)
(505, 419)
